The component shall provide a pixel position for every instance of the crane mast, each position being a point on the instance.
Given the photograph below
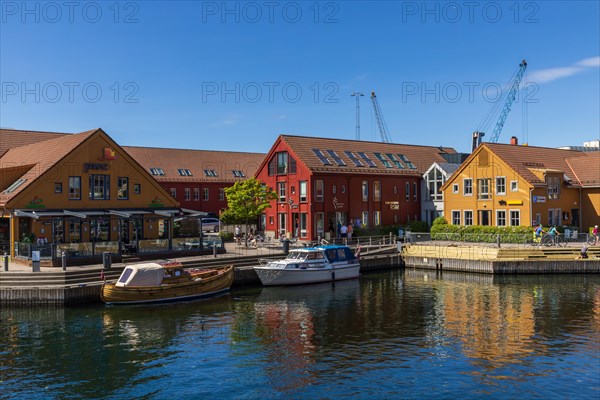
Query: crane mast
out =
(509, 101)
(513, 84)
(383, 131)
(358, 96)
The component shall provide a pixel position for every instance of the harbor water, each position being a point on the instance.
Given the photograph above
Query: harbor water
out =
(390, 335)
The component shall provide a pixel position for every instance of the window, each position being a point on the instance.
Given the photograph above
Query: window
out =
(407, 191)
(415, 193)
(173, 193)
(514, 186)
(455, 217)
(157, 171)
(184, 172)
(553, 187)
(483, 189)
(550, 216)
(336, 158)
(14, 186)
(74, 231)
(57, 187)
(122, 188)
(406, 161)
(395, 189)
(303, 191)
(468, 217)
(367, 160)
(353, 158)
(321, 157)
(74, 188)
(238, 174)
(221, 194)
(434, 180)
(137, 188)
(468, 187)
(515, 218)
(281, 191)
(455, 188)
(500, 185)
(383, 160)
(365, 219)
(377, 191)
(343, 189)
(500, 217)
(395, 160)
(376, 218)
(187, 194)
(99, 187)
(205, 194)
(210, 172)
(319, 188)
(365, 191)
(100, 230)
(282, 163)
(196, 194)
(333, 189)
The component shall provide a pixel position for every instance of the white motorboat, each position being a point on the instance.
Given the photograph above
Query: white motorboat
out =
(310, 265)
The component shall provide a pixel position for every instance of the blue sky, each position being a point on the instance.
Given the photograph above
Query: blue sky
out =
(234, 75)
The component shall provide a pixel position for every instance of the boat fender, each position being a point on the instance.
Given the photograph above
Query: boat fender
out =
(198, 279)
(333, 275)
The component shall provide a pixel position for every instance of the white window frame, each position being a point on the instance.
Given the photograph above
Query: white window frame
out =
(174, 193)
(196, 194)
(365, 190)
(319, 184)
(415, 192)
(365, 219)
(221, 194)
(498, 179)
(376, 218)
(481, 184)
(498, 217)
(455, 188)
(514, 186)
(205, 194)
(303, 191)
(511, 219)
(465, 217)
(452, 213)
(470, 180)
(407, 187)
(186, 194)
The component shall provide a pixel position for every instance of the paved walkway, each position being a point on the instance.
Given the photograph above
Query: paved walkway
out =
(232, 251)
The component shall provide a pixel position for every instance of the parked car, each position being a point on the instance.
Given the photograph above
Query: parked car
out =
(210, 224)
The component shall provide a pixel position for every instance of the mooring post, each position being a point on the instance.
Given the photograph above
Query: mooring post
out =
(215, 249)
(63, 260)
(498, 240)
(5, 261)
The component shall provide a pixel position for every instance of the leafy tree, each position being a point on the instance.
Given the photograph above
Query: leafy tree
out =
(246, 201)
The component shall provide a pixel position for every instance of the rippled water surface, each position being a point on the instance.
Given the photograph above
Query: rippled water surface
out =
(399, 334)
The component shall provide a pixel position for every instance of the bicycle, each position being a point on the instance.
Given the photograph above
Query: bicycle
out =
(549, 240)
(591, 239)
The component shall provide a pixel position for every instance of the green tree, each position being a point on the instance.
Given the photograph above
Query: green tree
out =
(246, 201)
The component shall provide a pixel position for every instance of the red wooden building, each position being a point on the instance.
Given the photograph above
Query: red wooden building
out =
(197, 178)
(322, 182)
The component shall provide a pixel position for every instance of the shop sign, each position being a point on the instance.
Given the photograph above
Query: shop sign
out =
(156, 203)
(35, 203)
(109, 154)
(95, 167)
(539, 199)
(337, 204)
(515, 202)
(394, 205)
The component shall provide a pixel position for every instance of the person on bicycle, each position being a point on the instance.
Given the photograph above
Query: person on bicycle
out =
(553, 234)
(596, 234)
(537, 234)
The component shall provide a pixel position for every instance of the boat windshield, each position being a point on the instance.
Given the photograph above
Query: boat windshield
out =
(296, 255)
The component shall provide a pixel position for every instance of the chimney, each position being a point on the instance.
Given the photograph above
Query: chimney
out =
(514, 141)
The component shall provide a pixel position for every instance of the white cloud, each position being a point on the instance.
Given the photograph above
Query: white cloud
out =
(552, 74)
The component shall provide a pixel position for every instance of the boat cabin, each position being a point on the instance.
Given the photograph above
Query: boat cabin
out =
(149, 274)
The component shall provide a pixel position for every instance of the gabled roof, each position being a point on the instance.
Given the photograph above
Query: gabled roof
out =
(40, 157)
(12, 138)
(420, 156)
(524, 160)
(172, 160)
(586, 169)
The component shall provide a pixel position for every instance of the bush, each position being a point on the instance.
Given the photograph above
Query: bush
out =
(226, 236)
(478, 233)
(440, 221)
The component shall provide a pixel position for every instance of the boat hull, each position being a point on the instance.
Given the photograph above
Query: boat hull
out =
(204, 287)
(275, 276)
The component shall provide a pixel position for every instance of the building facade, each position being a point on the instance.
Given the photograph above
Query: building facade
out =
(323, 183)
(512, 185)
(77, 189)
(197, 179)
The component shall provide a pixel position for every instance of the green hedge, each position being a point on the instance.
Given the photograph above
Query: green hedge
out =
(413, 226)
(476, 233)
(226, 236)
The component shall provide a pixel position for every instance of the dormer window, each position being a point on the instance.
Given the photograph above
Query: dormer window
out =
(184, 172)
(157, 171)
(210, 172)
(238, 173)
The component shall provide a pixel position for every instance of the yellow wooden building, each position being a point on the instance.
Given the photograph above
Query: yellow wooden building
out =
(512, 185)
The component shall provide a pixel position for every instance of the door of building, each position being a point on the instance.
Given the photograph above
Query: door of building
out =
(485, 217)
(575, 217)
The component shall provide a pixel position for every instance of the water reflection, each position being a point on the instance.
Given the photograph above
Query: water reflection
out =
(400, 333)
